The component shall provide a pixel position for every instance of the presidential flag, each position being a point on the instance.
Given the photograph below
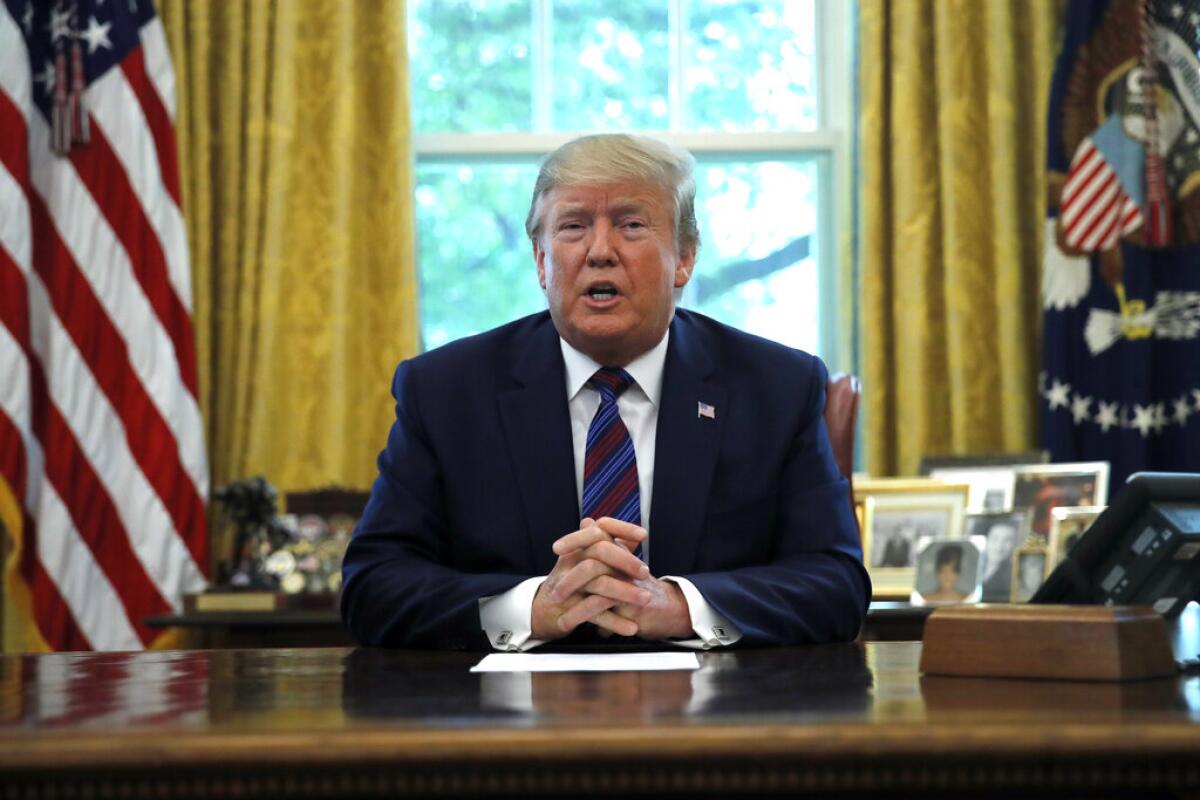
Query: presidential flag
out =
(101, 443)
(1121, 279)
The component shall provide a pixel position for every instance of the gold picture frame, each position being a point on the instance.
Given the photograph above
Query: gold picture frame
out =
(1067, 525)
(898, 516)
(1030, 566)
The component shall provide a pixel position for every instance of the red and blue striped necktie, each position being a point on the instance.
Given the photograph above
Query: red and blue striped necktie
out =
(610, 477)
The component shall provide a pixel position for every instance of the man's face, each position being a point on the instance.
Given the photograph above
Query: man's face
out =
(1001, 540)
(606, 257)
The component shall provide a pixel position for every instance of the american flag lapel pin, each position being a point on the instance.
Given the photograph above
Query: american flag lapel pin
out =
(705, 410)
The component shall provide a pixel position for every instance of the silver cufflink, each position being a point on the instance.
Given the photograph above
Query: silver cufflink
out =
(720, 632)
(504, 638)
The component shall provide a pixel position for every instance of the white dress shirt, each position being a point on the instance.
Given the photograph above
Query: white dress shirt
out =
(506, 618)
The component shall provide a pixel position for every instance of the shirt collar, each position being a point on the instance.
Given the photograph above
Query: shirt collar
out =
(646, 370)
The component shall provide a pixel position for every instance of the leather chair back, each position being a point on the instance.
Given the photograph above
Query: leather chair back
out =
(841, 414)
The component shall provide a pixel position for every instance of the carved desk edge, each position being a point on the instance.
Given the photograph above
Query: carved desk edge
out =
(666, 759)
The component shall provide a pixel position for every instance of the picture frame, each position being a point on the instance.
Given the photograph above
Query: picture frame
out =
(1002, 534)
(1067, 524)
(991, 487)
(1030, 566)
(897, 514)
(1043, 487)
(948, 573)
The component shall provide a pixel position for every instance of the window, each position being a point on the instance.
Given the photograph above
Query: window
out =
(757, 91)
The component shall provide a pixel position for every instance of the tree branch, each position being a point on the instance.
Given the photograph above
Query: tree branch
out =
(709, 286)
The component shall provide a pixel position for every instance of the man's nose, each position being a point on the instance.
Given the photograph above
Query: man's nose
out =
(601, 251)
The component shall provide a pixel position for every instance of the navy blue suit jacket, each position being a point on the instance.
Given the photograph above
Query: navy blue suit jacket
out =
(478, 480)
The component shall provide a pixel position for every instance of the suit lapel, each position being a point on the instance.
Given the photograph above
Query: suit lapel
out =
(537, 428)
(685, 451)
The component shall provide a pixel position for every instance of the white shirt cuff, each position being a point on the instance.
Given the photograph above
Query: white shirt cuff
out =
(712, 629)
(507, 618)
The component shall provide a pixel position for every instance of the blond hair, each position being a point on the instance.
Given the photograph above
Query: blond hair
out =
(614, 157)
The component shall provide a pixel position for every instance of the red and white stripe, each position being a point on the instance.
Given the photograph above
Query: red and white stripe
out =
(1096, 212)
(100, 431)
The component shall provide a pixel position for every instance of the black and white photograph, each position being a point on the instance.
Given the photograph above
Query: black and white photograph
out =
(900, 515)
(1003, 534)
(991, 487)
(947, 573)
(1029, 570)
(896, 534)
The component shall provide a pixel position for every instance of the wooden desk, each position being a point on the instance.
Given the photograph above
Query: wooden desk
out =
(886, 622)
(343, 723)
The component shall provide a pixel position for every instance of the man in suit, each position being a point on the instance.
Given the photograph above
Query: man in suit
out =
(540, 476)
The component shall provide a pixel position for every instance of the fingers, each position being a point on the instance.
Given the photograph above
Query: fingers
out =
(610, 623)
(587, 608)
(619, 529)
(603, 530)
(608, 558)
(621, 591)
(595, 609)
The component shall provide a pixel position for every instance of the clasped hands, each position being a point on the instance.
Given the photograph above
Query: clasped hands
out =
(597, 579)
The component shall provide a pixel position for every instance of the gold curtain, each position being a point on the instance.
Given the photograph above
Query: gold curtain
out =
(954, 96)
(295, 162)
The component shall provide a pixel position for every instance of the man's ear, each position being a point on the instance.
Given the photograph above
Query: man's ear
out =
(684, 267)
(539, 258)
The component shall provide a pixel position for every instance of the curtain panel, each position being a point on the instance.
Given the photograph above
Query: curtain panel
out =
(296, 168)
(952, 143)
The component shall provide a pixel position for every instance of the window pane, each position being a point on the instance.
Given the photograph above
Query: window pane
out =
(476, 266)
(471, 65)
(757, 268)
(749, 66)
(610, 65)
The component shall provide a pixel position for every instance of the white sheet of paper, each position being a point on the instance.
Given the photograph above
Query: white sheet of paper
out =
(586, 662)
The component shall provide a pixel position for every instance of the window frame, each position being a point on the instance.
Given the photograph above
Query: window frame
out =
(829, 147)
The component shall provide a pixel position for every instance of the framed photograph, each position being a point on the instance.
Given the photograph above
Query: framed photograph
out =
(1067, 524)
(1043, 487)
(898, 515)
(1031, 565)
(1001, 534)
(991, 487)
(947, 573)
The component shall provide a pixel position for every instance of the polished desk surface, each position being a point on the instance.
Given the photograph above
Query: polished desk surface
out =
(345, 722)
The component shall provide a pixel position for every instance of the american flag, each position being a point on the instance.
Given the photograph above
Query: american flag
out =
(101, 441)
(1097, 209)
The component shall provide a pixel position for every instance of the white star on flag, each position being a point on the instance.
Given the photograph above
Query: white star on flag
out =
(1143, 419)
(27, 19)
(46, 77)
(1196, 394)
(96, 35)
(1106, 416)
(1081, 409)
(60, 24)
(1160, 417)
(1059, 394)
(1182, 410)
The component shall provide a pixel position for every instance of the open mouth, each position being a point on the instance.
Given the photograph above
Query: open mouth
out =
(602, 292)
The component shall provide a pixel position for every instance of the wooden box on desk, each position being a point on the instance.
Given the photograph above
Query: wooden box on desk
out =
(1057, 642)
